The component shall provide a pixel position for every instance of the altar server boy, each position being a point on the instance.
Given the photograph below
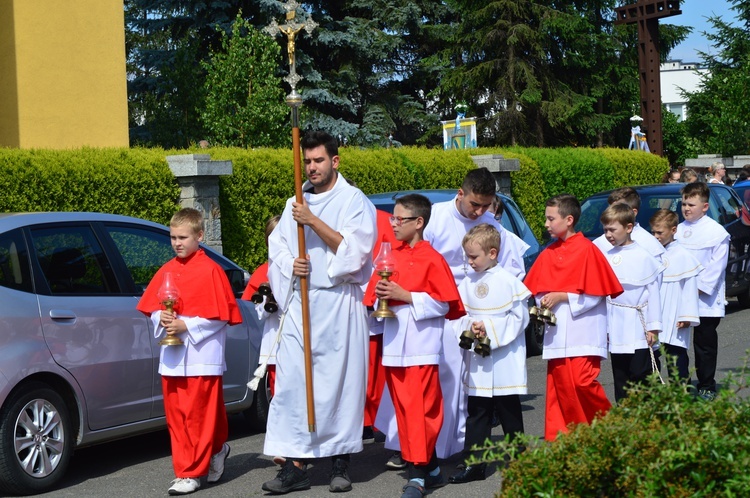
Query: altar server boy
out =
(679, 293)
(633, 317)
(422, 294)
(496, 307)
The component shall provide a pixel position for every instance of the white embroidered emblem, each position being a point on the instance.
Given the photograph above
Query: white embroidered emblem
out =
(687, 233)
(616, 259)
(482, 290)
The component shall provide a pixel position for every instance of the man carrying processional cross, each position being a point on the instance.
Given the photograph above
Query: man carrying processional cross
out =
(320, 256)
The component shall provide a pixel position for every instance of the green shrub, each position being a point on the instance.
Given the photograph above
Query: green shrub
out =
(660, 441)
(135, 182)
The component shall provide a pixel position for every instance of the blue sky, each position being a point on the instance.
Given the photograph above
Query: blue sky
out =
(694, 14)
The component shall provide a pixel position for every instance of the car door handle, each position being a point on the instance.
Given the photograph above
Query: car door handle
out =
(62, 315)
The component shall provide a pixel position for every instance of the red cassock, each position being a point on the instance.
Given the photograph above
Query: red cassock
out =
(375, 371)
(415, 390)
(574, 265)
(259, 276)
(203, 286)
(577, 266)
(421, 269)
(195, 434)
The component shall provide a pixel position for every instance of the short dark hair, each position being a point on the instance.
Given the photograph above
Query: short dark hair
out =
(567, 205)
(619, 212)
(699, 189)
(628, 195)
(479, 182)
(417, 205)
(316, 138)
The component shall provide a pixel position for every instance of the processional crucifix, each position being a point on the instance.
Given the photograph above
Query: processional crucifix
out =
(294, 101)
(646, 13)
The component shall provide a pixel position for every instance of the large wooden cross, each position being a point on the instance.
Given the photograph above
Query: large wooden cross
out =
(646, 13)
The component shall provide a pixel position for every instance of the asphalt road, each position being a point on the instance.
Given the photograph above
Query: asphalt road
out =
(141, 466)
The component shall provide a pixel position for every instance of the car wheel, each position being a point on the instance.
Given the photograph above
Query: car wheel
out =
(534, 338)
(257, 414)
(36, 440)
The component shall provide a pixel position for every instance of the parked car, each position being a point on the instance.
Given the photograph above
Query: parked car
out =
(512, 220)
(78, 363)
(724, 206)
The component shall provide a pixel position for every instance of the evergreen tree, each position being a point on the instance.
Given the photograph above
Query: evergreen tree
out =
(244, 105)
(719, 112)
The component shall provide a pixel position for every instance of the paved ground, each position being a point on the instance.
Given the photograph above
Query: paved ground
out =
(141, 467)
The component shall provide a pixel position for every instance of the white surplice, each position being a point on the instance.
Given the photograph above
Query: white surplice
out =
(638, 309)
(679, 295)
(640, 235)
(709, 243)
(445, 232)
(338, 327)
(499, 301)
(268, 342)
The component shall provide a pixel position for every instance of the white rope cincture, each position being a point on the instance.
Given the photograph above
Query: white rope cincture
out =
(260, 372)
(639, 309)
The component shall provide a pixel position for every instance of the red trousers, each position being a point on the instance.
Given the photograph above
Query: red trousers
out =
(197, 421)
(574, 395)
(271, 371)
(375, 379)
(418, 402)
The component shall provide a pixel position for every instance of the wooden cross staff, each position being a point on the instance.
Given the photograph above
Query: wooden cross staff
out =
(646, 13)
(294, 101)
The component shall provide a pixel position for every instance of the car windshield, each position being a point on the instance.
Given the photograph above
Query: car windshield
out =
(723, 208)
(593, 207)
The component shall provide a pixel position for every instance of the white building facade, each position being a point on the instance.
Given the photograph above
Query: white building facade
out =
(677, 77)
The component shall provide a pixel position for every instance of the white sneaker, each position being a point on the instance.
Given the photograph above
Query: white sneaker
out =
(184, 486)
(216, 468)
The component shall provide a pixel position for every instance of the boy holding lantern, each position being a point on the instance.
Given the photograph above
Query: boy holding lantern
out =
(192, 372)
(422, 294)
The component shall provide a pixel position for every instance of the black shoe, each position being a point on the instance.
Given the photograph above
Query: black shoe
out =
(340, 481)
(289, 478)
(469, 474)
(368, 433)
(396, 462)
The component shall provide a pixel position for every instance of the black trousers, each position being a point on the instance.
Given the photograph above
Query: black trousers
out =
(706, 347)
(631, 368)
(678, 358)
(479, 420)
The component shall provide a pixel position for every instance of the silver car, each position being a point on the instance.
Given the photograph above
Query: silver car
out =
(78, 363)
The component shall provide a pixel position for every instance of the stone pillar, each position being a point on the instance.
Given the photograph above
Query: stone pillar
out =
(500, 169)
(198, 177)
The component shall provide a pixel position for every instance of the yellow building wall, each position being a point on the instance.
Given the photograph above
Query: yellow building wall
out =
(62, 74)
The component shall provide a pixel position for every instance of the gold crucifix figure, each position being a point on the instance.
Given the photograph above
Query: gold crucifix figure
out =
(290, 29)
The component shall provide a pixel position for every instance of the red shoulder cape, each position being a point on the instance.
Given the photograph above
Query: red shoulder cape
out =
(259, 276)
(422, 269)
(204, 289)
(574, 265)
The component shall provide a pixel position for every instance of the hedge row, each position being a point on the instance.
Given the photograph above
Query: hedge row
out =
(137, 182)
(134, 182)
